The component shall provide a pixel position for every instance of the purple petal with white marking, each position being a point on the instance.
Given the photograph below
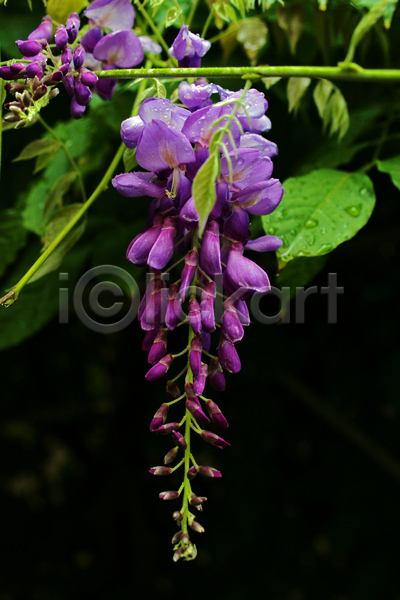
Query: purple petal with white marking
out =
(120, 48)
(113, 14)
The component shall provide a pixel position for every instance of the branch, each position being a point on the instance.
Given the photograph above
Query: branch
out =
(345, 73)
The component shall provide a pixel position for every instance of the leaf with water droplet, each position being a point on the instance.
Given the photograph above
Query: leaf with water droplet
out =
(321, 210)
(392, 167)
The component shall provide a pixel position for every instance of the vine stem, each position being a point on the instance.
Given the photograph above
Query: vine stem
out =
(68, 154)
(193, 9)
(344, 73)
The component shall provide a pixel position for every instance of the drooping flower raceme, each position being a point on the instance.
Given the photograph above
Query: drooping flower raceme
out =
(172, 143)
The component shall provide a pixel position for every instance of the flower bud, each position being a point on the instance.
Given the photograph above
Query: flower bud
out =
(168, 495)
(160, 368)
(196, 527)
(33, 69)
(79, 56)
(194, 407)
(177, 516)
(160, 471)
(216, 414)
(43, 31)
(192, 472)
(207, 307)
(228, 356)
(30, 48)
(66, 56)
(83, 93)
(72, 27)
(167, 428)
(170, 456)
(189, 390)
(195, 316)
(76, 110)
(197, 501)
(177, 537)
(88, 77)
(231, 327)
(195, 356)
(216, 376)
(53, 93)
(173, 391)
(174, 308)
(6, 73)
(17, 68)
(160, 417)
(243, 312)
(210, 251)
(214, 440)
(148, 339)
(200, 381)
(69, 84)
(158, 348)
(179, 440)
(208, 471)
(188, 272)
(163, 248)
(61, 37)
(152, 305)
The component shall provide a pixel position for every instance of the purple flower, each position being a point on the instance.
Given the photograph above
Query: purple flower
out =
(188, 272)
(242, 273)
(170, 456)
(87, 77)
(216, 414)
(228, 357)
(61, 37)
(112, 14)
(194, 407)
(76, 109)
(189, 48)
(43, 31)
(231, 327)
(30, 48)
(173, 315)
(162, 146)
(139, 248)
(72, 27)
(265, 243)
(214, 439)
(131, 131)
(163, 248)
(208, 471)
(210, 251)
(179, 440)
(160, 471)
(160, 368)
(105, 88)
(159, 347)
(83, 93)
(195, 356)
(195, 316)
(79, 56)
(207, 307)
(149, 45)
(200, 381)
(159, 418)
(216, 376)
(137, 184)
(122, 49)
(167, 428)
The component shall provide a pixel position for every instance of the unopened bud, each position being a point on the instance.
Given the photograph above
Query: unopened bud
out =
(208, 471)
(173, 391)
(196, 527)
(171, 495)
(213, 439)
(216, 414)
(167, 428)
(54, 92)
(170, 456)
(179, 440)
(177, 516)
(160, 471)
(192, 472)
(159, 417)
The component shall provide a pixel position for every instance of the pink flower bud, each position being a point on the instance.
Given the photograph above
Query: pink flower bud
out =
(160, 368)
(213, 439)
(195, 316)
(159, 418)
(179, 440)
(216, 415)
(158, 348)
(170, 456)
(167, 428)
(208, 471)
(168, 495)
(160, 471)
(173, 391)
(196, 527)
(195, 356)
(216, 376)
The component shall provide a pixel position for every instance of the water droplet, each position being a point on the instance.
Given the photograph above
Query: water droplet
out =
(323, 231)
(293, 231)
(311, 240)
(363, 191)
(354, 211)
(271, 230)
(311, 223)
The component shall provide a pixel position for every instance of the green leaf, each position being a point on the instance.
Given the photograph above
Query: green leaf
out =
(292, 20)
(172, 14)
(58, 222)
(60, 187)
(38, 147)
(252, 34)
(12, 237)
(322, 91)
(319, 211)
(160, 91)
(270, 81)
(203, 190)
(391, 166)
(220, 9)
(43, 160)
(129, 158)
(296, 89)
(378, 10)
(337, 114)
(239, 5)
(155, 5)
(3, 93)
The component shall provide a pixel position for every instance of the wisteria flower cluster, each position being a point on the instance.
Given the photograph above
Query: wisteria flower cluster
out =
(172, 144)
(73, 63)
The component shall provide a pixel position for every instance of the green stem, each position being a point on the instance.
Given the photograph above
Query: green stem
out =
(155, 30)
(258, 72)
(207, 23)
(68, 154)
(195, 4)
(180, 11)
(233, 27)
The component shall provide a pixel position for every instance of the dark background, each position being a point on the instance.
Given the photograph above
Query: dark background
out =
(308, 504)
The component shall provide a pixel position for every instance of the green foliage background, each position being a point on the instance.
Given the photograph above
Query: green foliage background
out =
(306, 509)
